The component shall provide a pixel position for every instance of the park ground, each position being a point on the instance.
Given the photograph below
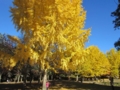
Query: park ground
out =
(63, 85)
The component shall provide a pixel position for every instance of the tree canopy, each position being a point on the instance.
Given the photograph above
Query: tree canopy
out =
(116, 14)
(49, 30)
(117, 44)
(53, 35)
(114, 59)
(116, 21)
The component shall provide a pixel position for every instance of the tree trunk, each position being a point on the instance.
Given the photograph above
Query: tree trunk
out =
(69, 77)
(48, 77)
(51, 77)
(44, 80)
(77, 78)
(25, 79)
(0, 77)
(40, 77)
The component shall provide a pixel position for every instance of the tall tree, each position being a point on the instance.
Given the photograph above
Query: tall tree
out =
(116, 22)
(94, 63)
(50, 28)
(114, 59)
(116, 14)
(117, 44)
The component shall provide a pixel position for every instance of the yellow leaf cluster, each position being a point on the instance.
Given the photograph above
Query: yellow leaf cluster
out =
(56, 30)
(7, 60)
(114, 59)
(94, 65)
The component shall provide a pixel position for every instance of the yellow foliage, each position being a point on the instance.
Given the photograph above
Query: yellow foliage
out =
(7, 60)
(95, 60)
(56, 30)
(114, 59)
(14, 38)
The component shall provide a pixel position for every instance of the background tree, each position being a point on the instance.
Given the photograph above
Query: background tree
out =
(116, 22)
(117, 44)
(114, 59)
(7, 48)
(6, 45)
(94, 63)
(116, 14)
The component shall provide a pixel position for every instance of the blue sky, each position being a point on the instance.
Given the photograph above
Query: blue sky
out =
(6, 24)
(98, 18)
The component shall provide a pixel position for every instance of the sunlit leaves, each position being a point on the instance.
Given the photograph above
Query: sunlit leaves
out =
(94, 62)
(114, 59)
(7, 60)
(54, 35)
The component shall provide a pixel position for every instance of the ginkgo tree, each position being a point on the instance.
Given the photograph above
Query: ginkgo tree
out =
(114, 59)
(52, 29)
(97, 58)
(92, 65)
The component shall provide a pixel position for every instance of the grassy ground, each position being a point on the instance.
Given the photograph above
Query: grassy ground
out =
(62, 85)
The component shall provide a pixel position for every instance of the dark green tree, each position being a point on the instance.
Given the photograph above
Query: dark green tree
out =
(116, 22)
(116, 14)
(117, 44)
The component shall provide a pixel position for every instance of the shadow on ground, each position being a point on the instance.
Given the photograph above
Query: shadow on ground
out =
(20, 86)
(80, 86)
(57, 85)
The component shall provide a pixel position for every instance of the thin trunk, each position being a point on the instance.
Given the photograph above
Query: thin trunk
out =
(40, 77)
(25, 79)
(48, 77)
(44, 80)
(77, 78)
(0, 77)
(51, 77)
(21, 79)
(69, 77)
(82, 79)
